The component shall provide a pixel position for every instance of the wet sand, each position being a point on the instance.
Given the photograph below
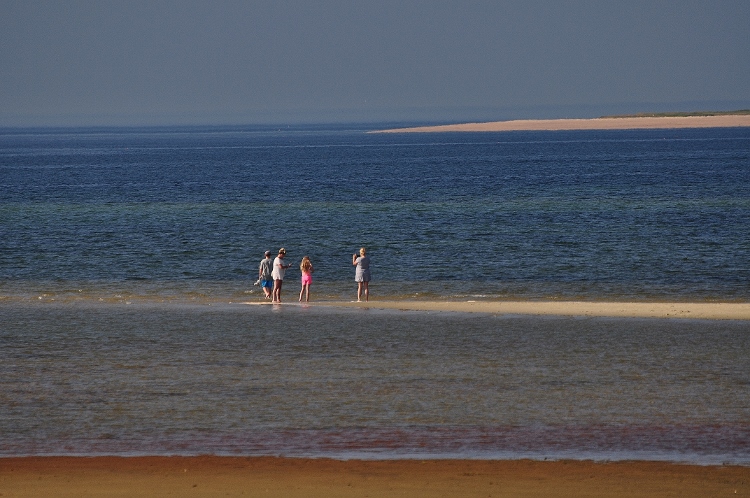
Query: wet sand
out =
(279, 477)
(712, 311)
(625, 123)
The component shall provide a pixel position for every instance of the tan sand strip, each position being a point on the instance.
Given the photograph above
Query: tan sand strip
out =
(205, 476)
(629, 123)
(713, 311)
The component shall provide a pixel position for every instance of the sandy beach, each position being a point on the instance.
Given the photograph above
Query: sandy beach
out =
(278, 477)
(711, 311)
(624, 123)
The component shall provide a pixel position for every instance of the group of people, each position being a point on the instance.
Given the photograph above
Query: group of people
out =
(271, 275)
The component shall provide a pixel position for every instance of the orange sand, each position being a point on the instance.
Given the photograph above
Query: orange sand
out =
(210, 476)
(713, 311)
(589, 124)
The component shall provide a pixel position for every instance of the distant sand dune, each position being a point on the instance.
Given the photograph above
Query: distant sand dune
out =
(625, 123)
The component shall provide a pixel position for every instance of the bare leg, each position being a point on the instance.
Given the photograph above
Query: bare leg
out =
(367, 291)
(277, 291)
(359, 291)
(307, 292)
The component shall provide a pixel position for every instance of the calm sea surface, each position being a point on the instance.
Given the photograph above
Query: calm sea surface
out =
(124, 255)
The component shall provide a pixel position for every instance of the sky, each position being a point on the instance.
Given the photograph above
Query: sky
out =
(162, 62)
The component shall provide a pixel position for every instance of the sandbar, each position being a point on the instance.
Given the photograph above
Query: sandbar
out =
(700, 310)
(624, 123)
(204, 476)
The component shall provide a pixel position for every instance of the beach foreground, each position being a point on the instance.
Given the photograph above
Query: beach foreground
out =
(624, 123)
(268, 477)
(709, 311)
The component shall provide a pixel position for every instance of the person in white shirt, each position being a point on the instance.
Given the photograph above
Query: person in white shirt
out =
(279, 269)
(362, 275)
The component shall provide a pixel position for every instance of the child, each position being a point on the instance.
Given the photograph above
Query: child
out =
(307, 268)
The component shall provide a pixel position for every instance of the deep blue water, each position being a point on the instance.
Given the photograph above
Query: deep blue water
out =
(657, 214)
(124, 254)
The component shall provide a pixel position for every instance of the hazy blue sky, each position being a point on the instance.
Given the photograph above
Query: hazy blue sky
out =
(164, 62)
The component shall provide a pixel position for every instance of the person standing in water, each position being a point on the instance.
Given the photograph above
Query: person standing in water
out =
(279, 269)
(306, 268)
(362, 276)
(265, 269)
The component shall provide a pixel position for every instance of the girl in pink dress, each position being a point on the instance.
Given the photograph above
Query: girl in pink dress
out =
(307, 268)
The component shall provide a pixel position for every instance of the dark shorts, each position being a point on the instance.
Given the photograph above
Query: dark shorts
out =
(267, 283)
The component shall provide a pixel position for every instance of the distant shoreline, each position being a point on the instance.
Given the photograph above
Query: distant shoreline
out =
(739, 112)
(637, 122)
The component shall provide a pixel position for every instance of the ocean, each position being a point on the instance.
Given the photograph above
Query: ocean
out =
(126, 255)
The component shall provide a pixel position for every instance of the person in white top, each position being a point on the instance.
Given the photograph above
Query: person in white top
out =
(279, 269)
(362, 275)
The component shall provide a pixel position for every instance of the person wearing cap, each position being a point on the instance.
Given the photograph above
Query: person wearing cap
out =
(279, 268)
(265, 270)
